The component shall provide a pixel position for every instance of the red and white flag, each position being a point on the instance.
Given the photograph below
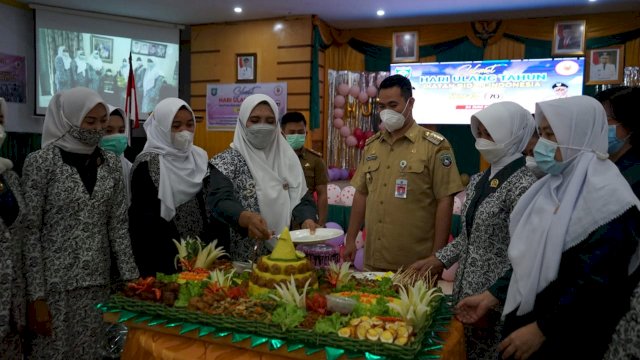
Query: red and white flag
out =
(132, 96)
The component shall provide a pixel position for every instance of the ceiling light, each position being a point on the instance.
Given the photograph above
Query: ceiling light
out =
(278, 26)
(237, 9)
(592, 0)
(380, 12)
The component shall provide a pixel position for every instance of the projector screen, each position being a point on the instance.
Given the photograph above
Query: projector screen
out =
(449, 93)
(93, 52)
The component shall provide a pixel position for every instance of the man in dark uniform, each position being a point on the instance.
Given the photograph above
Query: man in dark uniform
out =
(294, 128)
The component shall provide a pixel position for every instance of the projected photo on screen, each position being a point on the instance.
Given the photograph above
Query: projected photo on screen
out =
(449, 93)
(67, 59)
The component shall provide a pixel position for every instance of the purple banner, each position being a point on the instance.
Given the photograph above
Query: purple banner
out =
(223, 101)
(12, 78)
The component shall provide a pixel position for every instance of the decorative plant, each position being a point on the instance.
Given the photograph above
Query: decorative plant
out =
(221, 277)
(288, 294)
(339, 275)
(416, 303)
(192, 255)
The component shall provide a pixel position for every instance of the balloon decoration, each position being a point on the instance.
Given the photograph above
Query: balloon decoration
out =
(343, 89)
(363, 97)
(358, 262)
(372, 91)
(352, 116)
(347, 194)
(351, 141)
(333, 194)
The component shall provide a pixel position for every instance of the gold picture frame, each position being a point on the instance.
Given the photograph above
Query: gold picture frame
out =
(568, 38)
(405, 47)
(246, 68)
(605, 66)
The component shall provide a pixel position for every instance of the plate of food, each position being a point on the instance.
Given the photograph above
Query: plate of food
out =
(371, 275)
(321, 235)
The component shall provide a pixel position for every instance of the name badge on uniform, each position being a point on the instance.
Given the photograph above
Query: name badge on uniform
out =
(401, 188)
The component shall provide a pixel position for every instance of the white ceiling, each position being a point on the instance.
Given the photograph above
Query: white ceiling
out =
(343, 13)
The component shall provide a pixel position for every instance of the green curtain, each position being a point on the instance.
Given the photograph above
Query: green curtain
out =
(17, 146)
(376, 58)
(457, 50)
(314, 105)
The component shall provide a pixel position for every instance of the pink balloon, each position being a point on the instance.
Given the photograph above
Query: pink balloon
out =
(351, 141)
(343, 89)
(339, 101)
(372, 91)
(338, 123)
(354, 91)
(338, 112)
(345, 131)
(363, 97)
(358, 262)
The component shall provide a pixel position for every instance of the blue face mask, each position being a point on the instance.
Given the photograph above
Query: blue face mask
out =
(615, 144)
(545, 152)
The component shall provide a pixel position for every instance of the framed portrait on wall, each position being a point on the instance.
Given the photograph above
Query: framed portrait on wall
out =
(405, 47)
(568, 38)
(104, 47)
(605, 65)
(246, 67)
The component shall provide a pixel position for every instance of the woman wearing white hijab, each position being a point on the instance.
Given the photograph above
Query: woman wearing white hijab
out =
(573, 241)
(116, 139)
(502, 131)
(257, 185)
(12, 296)
(79, 69)
(75, 222)
(95, 70)
(62, 65)
(167, 198)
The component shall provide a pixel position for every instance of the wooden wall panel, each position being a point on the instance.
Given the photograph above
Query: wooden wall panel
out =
(283, 55)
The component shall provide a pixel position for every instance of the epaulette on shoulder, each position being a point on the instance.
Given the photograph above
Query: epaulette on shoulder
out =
(433, 137)
(316, 153)
(373, 138)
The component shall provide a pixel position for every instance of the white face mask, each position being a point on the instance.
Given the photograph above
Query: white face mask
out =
(3, 135)
(392, 119)
(182, 140)
(260, 135)
(491, 151)
(533, 166)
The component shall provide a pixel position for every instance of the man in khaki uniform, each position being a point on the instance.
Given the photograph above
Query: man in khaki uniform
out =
(294, 128)
(405, 185)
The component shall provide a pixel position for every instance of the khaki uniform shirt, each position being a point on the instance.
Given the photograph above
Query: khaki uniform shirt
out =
(401, 231)
(315, 172)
